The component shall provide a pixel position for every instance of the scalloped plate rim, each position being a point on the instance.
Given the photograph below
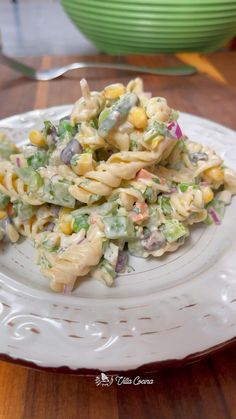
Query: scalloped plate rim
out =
(31, 327)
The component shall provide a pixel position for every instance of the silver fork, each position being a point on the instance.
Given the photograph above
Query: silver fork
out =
(53, 73)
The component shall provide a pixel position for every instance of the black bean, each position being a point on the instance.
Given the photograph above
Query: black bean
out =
(198, 156)
(153, 241)
(73, 147)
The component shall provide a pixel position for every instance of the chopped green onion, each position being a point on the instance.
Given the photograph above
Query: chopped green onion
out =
(80, 222)
(66, 127)
(39, 159)
(164, 202)
(183, 187)
(4, 200)
(150, 195)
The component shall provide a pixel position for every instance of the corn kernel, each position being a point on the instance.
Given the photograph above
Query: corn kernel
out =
(84, 164)
(1, 178)
(14, 183)
(114, 91)
(66, 224)
(207, 194)
(156, 141)
(215, 173)
(37, 138)
(3, 214)
(138, 117)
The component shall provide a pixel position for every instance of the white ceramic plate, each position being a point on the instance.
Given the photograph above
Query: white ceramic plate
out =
(167, 309)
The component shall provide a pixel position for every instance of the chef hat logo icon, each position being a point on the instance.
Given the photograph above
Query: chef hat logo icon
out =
(103, 380)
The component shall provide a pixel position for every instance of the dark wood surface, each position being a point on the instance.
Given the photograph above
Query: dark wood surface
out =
(203, 390)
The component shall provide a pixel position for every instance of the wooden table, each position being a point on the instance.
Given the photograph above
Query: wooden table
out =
(202, 390)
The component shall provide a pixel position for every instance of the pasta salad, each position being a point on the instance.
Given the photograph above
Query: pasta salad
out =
(116, 177)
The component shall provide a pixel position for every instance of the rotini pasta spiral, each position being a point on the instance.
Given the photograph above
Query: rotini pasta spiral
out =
(88, 106)
(207, 157)
(37, 223)
(230, 180)
(75, 261)
(186, 204)
(109, 175)
(12, 185)
(117, 174)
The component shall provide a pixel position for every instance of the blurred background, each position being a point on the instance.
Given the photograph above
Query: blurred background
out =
(39, 27)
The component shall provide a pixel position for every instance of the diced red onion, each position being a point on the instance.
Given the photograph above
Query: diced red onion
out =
(49, 227)
(5, 221)
(121, 261)
(18, 161)
(175, 130)
(68, 288)
(148, 95)
(55, 209)
(54, 135)
(55, 177)
(215, 217)
(80, 241)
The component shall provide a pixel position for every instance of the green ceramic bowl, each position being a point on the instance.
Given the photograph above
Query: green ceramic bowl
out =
(131, 26)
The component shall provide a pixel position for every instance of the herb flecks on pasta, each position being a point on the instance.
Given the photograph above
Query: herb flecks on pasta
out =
(116, 177)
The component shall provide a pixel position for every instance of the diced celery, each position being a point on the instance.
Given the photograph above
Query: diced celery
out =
(118, 227)
(6, 147)
(103, 115)
(111, 253)
(104, 209)
(109, 268)
(30, 177)
(135, 248)
(57, 193)
(105, 273)
(164, 202)
(173, 230)
(23, 210)
(117, 114)
(4, 200)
